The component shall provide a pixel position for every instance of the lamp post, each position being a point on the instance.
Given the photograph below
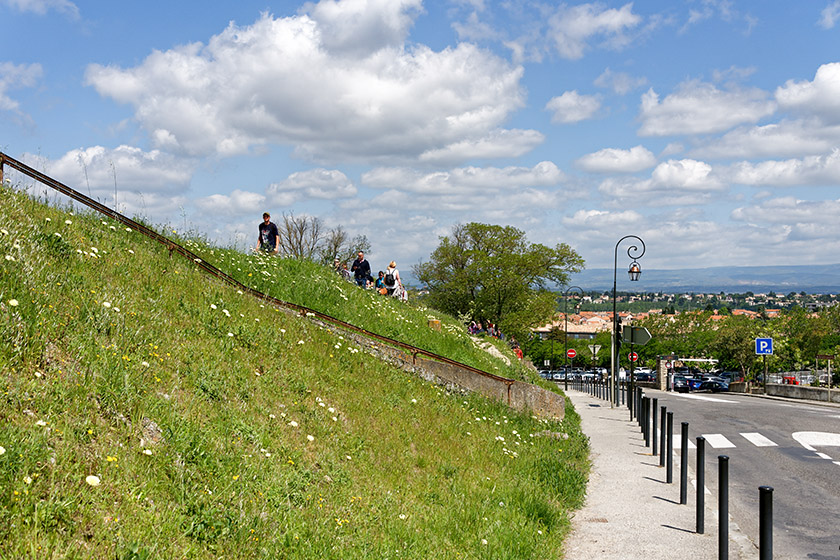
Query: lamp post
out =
(566, 334)
(634, 272)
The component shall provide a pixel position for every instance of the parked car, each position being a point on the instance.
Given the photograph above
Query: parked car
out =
(680, 384)
(643, 376)
(694, 383)
(713, 386)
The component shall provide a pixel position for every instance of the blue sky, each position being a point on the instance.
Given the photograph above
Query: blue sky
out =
(709, 128)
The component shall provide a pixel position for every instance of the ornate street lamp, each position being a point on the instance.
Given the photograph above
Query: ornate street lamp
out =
(634, 272)
(566, 334)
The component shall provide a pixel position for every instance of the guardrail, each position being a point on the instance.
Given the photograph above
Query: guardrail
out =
(513, 397)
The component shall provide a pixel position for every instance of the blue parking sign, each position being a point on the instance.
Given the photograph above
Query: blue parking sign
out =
(764, 346)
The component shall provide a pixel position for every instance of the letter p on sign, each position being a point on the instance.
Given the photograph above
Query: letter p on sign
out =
(764, 346)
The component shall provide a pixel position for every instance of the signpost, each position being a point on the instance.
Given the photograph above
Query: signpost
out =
(571, 353)
(634, 335)
(828, 358)
(764, 348)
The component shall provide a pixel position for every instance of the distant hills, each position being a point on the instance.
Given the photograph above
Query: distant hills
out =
(813, 279)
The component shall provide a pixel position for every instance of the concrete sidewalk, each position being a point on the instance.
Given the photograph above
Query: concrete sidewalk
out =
(630, 512)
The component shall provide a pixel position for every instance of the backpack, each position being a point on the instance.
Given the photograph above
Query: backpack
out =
(390, 280)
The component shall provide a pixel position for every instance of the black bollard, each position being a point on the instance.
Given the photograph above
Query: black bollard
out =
(653, 425)
(662, 434)
(765, 523)
(701, 485)
(669, 461)
(723, 507)
(683, 463)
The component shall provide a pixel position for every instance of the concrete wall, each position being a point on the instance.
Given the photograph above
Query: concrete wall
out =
(802, 392)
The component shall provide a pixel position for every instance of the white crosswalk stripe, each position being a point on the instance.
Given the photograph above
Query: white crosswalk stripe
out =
(678, 443)
(758, 440)
(718, 441)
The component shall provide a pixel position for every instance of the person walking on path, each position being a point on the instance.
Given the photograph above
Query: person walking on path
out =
(361, 270)
(268, 238)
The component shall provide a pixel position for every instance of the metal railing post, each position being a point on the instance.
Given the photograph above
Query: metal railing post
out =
(653, 425)
(765, 523)
(723, 507)
(701, 486)
(662, 435)
(683, 463)
(669, 460)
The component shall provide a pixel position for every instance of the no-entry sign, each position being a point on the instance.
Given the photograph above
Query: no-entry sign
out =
(571, 352)
(633, 357)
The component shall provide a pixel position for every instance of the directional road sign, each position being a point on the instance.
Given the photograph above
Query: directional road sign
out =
(571, 352)
(764, 346)
(635, 335)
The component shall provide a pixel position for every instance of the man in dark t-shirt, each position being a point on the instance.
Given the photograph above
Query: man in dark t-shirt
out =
(361, 270)
(267, 240)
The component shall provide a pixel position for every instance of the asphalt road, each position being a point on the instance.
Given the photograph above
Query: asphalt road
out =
(792, 446)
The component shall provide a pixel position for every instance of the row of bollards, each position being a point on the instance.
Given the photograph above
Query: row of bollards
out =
(646, 408)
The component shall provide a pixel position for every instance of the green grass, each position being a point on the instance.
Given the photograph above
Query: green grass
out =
(220, 427)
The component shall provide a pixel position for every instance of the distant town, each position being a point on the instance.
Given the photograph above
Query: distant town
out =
(661, 302)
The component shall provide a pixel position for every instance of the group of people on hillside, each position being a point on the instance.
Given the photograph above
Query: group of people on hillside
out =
(491, 330)
(387, 282)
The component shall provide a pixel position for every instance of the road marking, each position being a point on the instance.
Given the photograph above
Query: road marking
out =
(810, 440)
(758, 440)
(823, 456)
(678, 442)
(718, 441)
(704, 398)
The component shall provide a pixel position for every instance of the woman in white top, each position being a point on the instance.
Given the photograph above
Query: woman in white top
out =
(392, 280)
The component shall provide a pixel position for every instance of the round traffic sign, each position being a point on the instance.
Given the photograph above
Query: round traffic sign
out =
(571, 352)
(634, 357)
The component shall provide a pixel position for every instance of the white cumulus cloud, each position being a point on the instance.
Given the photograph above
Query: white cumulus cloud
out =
(14, 76)
(572, 107)
(41, 7)
(811, 170)
(464, 181)
(820, 97)
(129, 167)
(830, 15)
(701, 108)
(571, 28)
(312, 82)
(613, 160)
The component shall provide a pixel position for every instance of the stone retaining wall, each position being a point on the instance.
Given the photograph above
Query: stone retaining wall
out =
(516, 394)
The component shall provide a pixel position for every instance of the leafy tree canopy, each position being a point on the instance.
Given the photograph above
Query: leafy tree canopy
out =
(492, 273)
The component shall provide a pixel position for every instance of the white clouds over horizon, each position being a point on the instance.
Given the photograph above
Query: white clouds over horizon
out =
(574, 121)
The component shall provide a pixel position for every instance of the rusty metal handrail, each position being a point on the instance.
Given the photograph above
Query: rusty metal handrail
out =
(212, 270)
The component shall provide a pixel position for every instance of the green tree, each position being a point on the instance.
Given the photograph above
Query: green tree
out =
(735, 342)
(492, 273)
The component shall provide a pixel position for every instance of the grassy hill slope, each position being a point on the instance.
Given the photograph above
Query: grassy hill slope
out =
(151, 412)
